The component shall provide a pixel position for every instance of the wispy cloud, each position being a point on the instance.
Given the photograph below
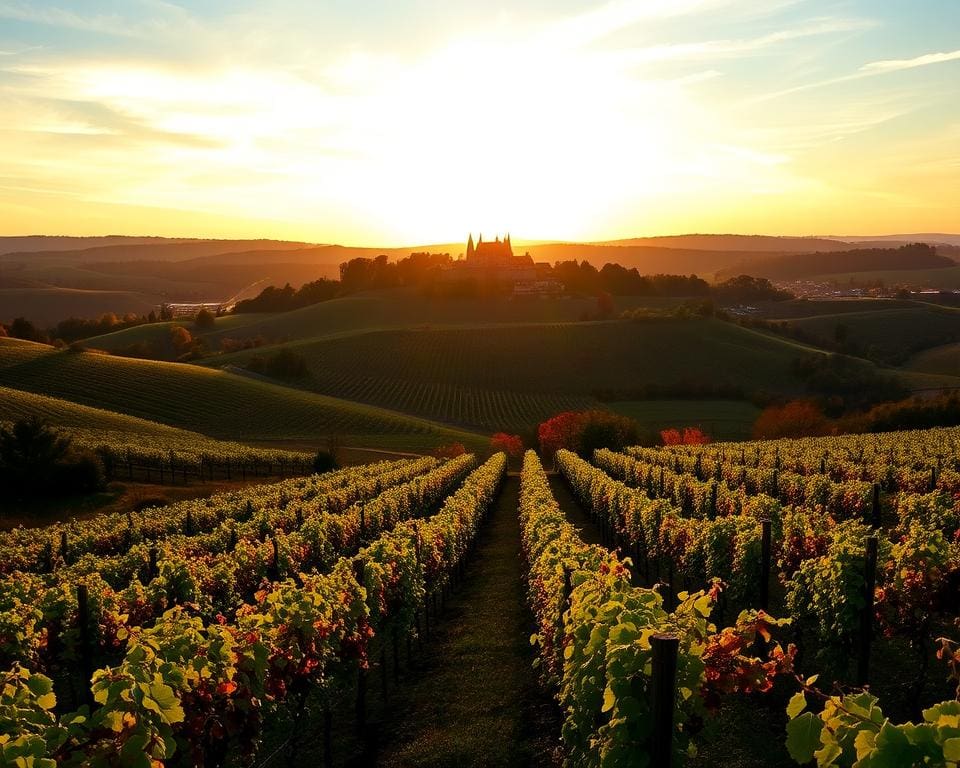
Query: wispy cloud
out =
(725, 48)
(871, 69)
(895, 65)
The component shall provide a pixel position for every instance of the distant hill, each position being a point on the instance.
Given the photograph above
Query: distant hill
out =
(799, 265)
(165, 250)
(734, 243)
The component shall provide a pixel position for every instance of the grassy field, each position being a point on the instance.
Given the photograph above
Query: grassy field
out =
(721, 419)
(514, 377)
(209, 401)
(943, 360)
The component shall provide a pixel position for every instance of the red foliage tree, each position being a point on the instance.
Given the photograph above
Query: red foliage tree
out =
(560, 431)
(512, 445)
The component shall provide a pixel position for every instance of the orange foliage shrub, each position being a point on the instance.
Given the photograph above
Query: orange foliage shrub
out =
(689, 436)
(798, 418)
(450, 451)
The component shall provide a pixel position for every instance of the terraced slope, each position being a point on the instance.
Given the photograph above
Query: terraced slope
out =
(209, 401)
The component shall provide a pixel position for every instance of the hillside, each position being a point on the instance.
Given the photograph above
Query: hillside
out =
(890, 336)
(944, 360)
(209, 401)
(47, 305)
(799, 265)
(498, 376)
(379, 310)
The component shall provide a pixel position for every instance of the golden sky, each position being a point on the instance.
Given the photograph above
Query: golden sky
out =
(412, 122)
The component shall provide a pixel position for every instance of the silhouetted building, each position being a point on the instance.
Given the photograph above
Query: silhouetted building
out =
(492, 261)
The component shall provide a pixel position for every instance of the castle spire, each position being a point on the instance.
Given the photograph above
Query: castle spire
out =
(470, 248)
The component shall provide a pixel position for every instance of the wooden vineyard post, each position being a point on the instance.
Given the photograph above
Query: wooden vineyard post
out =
(63, 545)
(876, 506)
(866, 616)
(327, 737)
(663, 692)
(363, 522)
(83, 626)
(765, 545)
(154, 570)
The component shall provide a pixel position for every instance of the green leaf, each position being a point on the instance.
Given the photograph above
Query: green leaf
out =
(803, 737)
(951, 750)
(893, 749)
(798, 703)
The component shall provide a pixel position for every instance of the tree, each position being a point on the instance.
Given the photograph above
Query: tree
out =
(205, 319)
(3, 331)
(324, 461)
(181, 339)
(36, 459)
(512, 445)
(21, 328)
(585, 431)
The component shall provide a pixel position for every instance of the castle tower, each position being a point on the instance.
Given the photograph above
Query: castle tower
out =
(470, 248)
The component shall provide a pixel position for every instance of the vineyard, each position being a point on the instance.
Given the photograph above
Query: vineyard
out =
(211, 402)
(517, 376)
(769, 582)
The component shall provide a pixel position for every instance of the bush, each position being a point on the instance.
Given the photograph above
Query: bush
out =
(798, 418)
(324, 462)
(449, 451)
(78, 472)
(512, 445)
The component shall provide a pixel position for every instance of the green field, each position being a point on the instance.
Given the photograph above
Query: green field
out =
(720, 419)
(514, 377)
(212, 402)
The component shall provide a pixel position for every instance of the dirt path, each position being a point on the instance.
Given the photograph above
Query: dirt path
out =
(475, 700)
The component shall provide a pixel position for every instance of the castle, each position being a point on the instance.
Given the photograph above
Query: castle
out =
(492, 261)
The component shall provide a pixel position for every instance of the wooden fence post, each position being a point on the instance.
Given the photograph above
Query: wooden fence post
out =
(866, 615)
(765, 545)
(876, 505)
(83, 625)
(663, 691)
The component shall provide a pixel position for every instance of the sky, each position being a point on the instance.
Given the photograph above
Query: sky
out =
(405, 121)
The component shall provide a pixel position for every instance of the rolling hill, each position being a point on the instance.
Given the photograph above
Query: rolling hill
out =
(378, 310)
(211, 402)
(890, 336)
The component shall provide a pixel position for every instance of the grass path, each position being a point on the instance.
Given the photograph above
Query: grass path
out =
(475, 700)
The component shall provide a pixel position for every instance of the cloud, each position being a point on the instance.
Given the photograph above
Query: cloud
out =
(107, 24)
(895, 65)
(871, 69)
(723, 48)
